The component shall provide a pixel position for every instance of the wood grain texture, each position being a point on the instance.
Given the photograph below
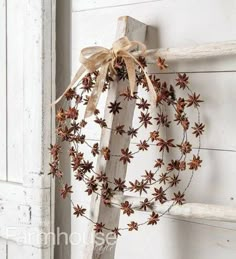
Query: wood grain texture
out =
(15, 89)
(210, 50)
(3, 92)
(177, 239)
(26, 205)
(85, 5)
(99, 212)
(203, 211)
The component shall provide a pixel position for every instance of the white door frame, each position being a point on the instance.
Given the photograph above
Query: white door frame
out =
(27, 208)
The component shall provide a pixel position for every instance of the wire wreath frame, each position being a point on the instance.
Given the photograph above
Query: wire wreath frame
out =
(166, 173)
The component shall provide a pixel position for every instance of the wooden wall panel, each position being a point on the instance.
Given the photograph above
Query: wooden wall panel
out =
(15, 73)
(84, 5)
(3, 249)
(3, 91)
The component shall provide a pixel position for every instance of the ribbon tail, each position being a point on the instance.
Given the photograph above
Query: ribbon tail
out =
(97, 90)
(78, 74)
(130, 66)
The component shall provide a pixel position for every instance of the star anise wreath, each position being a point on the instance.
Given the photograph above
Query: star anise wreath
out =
(165, 175)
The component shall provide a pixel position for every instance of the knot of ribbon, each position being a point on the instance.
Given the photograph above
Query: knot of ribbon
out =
(94, 58)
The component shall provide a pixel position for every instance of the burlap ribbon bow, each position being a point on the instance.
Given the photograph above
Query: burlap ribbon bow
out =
(93, 58)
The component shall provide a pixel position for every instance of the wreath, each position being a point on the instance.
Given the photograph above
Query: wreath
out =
(170, 110)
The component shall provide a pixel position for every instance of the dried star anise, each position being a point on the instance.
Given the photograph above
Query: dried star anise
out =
(154, 218)
(179, 198)
(114, 107)
(126, 155)
(79, 211)
(66, 190)
(126, 207)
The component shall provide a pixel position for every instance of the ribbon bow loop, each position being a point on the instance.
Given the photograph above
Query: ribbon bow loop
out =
(102, 59)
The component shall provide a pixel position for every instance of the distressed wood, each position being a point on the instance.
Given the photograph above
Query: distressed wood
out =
(63, 77)
(188, 210)
(3, 249)
(15, 89)
(218, 49)
(114, 169)
(3, 92)
(84, 5)
(27, 205)
(30, 216)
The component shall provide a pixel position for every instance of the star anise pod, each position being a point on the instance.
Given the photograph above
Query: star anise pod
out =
(165, 144)
(132, 132)
(161, 63)
(163, 178)
(120, 185)
(114, 107)
(174, 180)
(159, 163)
(146, 204)
(149, 176)
(101, 177)
(79, 175)
(159, 195)
(183, 120)
(116, 232)
(60, 116)
(87, 166)
(120, 68)
(180, 104)
(95, 149)
(75, 126)
(143, 145)
(98, 227)
(66, 190)
(174, 164)
(87, 83)
(154, 218)
(83, 123)
(54, 150)
(106, 152)
(79, 211)
(162, 120)
(138, 186)
(154, 135)
(142, 61)
(76, 160)
(194, 100)
(182, 166)
(92, 186)
(71, 113)
(133, 226)
(120, 129)
(185, 147)
(198, 129)
(101, 122)
(182, 81)
(179, 198)
(195, 163)
(145, 119)
(54, 171)
(126, 208)
(70, 94)
(127, 95)
(144, 105)
(126, 155)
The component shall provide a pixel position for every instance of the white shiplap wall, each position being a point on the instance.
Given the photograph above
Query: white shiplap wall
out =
(178, 23)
